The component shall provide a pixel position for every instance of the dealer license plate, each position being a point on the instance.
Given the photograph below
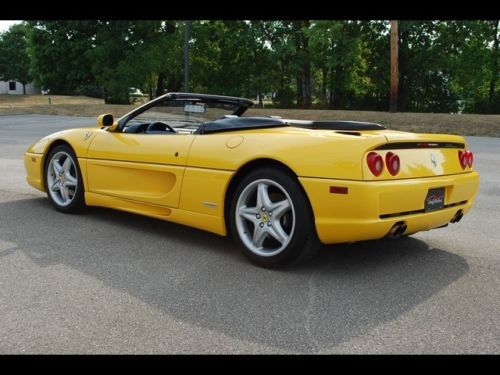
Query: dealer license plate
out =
(434, 200)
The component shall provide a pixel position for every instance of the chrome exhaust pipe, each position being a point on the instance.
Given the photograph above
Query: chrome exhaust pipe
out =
(397, 230)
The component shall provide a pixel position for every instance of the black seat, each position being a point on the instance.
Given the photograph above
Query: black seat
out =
(136, 128)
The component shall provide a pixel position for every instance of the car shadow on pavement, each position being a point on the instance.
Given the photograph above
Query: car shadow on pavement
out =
(202, 279)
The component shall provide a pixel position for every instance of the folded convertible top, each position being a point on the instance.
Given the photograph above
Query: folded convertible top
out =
(231, 123)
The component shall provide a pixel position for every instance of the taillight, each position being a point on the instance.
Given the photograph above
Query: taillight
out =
(466, 158)
(392, 162)
(375, 163)
(470, 158)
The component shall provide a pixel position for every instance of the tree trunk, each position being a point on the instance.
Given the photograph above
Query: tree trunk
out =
(324, 84)
(393, 105)
(151, 87)
(332, 89)
(160, 85)
(174, 83)
(303, 73)
(282, 82)
(339, 98)
(300, 95)
(494, 65)
(307, 86)
(403, 82)
(306, 71)
(24, 89)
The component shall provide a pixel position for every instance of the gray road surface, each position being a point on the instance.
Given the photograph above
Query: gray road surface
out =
(111, 282)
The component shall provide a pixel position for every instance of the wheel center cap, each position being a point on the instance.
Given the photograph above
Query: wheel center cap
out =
(264, 217)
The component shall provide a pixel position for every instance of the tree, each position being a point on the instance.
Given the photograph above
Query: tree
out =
(425, 75)
(339, 64)
(469, 49)
(61, 54)
(337, 50)
(494, 100)
(14, 59)
(375, 55)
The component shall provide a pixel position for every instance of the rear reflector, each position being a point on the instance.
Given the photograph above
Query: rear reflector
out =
(338, 190)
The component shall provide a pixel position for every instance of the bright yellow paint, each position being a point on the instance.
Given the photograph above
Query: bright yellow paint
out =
(203, 191)
(356, 216)
(183, 178)
(34, 169)
(152, 183)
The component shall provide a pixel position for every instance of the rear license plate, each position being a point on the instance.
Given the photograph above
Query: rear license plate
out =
(434, 200)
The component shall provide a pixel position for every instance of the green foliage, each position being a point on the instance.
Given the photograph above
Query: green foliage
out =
(14, 59)
(444, 66)
(61, 54)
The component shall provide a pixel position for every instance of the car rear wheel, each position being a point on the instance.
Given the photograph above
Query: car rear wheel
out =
(63, 180)
(271, 219)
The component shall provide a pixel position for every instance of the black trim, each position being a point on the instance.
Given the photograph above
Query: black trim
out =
(336, 125)
(421, 144)
(239, 123)
(349, 133)
(422, 211)
(243, 123)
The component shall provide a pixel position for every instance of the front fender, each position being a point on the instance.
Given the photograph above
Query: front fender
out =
(34, 157)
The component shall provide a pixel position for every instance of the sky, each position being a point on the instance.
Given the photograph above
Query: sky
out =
(4, 25)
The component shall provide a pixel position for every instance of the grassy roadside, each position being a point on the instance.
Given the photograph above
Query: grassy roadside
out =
(462, 124)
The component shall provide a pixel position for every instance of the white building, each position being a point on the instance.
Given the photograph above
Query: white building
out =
(16, 88)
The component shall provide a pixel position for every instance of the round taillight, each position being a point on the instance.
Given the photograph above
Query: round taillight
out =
(470, 158)
(462, 156)
(392, 162)
(375, 163)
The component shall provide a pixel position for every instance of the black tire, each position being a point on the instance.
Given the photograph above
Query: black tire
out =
(303, 242)
(77, 203)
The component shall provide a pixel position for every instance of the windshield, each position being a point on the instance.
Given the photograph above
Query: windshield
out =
(184, 113)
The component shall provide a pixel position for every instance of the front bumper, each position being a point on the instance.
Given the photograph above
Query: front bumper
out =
(370, 208)
(33, 163)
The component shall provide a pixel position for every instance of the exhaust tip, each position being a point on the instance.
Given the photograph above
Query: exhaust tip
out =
(457, 217)
(397, 230)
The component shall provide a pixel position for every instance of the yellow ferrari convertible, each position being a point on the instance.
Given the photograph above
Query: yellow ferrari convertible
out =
(280, 187)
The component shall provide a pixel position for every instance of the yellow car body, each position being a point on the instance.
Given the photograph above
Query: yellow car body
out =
(189, 178)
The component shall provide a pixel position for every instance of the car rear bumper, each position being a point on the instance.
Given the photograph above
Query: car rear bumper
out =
(370, 209)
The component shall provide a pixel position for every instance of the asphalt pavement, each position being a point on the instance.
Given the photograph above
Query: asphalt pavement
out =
(110, 282)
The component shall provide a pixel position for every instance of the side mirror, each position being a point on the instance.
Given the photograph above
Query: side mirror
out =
(105, 120)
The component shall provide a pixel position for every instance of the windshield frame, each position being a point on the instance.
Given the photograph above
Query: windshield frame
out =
(241, 103)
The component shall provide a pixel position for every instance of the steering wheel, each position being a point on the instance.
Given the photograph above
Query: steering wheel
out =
(159, 126)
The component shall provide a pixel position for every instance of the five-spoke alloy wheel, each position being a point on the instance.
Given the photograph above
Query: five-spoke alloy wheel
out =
(63, 180)
(271, 218)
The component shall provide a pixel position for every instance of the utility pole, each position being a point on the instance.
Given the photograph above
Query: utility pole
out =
(393, 104)
(187, 36)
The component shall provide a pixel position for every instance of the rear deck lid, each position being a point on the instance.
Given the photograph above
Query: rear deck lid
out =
(420, 155)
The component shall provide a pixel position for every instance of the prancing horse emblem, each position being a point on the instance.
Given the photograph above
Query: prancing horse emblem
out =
(433, 160)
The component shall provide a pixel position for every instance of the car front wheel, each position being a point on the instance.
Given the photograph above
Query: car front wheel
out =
(63, 180)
